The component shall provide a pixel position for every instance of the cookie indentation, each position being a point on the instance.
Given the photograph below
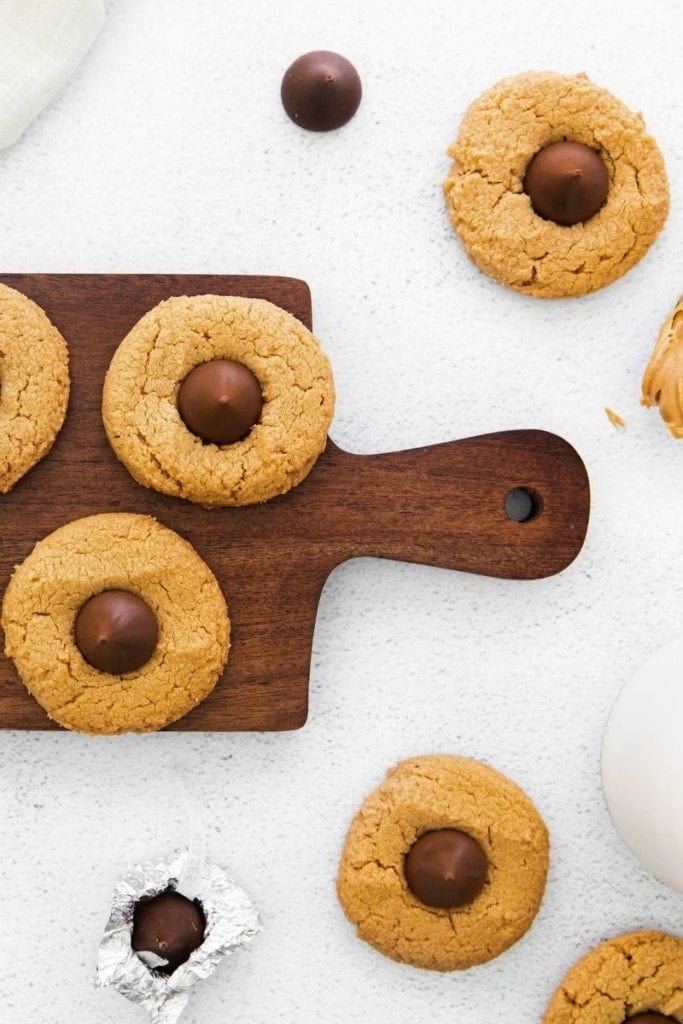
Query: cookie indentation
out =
(567, 183)
(220, 401)
(445, 868)
(116, 631)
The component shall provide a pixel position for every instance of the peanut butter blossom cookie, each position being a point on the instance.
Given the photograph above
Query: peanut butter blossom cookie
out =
(220, 400)
(34, 385)
(115, 624)
(635, 978)
(445, 864)
(556, 188)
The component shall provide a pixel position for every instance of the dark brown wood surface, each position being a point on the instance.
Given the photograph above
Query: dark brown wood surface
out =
(442, 505)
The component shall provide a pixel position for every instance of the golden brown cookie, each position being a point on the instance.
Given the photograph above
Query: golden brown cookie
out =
(34, 385)
(133, 553)
(663, 378)
(493, 215)
(140, 401)
(621, 978)
(420, 796)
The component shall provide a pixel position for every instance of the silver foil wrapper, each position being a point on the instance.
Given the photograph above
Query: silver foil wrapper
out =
(231, 922)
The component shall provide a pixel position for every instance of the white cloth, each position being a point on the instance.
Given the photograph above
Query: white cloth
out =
(41, 43)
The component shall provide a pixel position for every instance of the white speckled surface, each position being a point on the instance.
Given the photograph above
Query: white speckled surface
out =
(169, 151)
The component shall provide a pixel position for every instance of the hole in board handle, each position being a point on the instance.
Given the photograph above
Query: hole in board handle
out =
(522, 504)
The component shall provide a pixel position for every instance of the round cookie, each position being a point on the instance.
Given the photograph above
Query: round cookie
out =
(500, 134)
(632, 974)
(140, 400)
(34, 385)
(426, 794)
(104, 553)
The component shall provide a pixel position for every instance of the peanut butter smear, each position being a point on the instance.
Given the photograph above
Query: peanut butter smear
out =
(663, 377)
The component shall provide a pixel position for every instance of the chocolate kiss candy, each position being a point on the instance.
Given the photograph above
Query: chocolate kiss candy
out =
(116, 631)
(321, 91)
(651, 1017)
(566, 182)
(169, 925)
(220, 401)
(445, 868)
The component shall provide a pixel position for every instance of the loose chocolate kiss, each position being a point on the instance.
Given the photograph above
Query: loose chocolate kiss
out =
(220, 401)
(169, 925)
(321, 91)
(567, 182)
(445, 868)
(116, 631)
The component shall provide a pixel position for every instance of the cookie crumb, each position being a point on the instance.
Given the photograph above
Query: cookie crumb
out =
(617, 421)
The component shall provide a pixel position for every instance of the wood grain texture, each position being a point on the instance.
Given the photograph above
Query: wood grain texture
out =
(442, 505)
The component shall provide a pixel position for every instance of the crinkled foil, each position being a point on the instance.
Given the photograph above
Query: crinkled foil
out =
(231, 922)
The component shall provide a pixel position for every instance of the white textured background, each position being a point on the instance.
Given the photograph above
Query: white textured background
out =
(169, 151)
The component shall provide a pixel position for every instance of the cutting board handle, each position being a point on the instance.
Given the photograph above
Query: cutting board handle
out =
(513, 504)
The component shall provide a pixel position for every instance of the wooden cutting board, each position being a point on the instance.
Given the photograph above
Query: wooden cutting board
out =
(443, 505)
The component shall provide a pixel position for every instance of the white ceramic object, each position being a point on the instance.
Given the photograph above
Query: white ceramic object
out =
(642, 763)
(42, 42)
